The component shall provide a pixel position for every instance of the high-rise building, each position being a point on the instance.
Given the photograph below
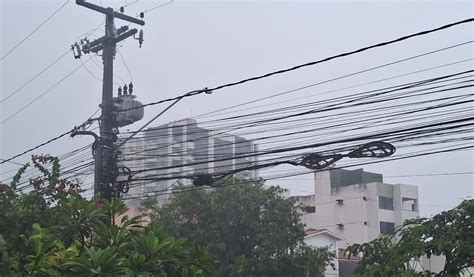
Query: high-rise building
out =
(182, 148)
(356, 205)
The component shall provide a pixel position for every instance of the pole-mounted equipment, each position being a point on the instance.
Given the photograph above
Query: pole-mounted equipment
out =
(108, 181)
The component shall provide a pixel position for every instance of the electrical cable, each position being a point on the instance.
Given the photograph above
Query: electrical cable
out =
(327, 107)
(34, 77)
(149, 122)
(160, 5)
(47, 142)
(125, 64)
(350, 75)
(211, 90)
(381, 160)
(380, 135)
(34, 30)
(43, 93)
(182, 125)
(93, 75)
(206, 90)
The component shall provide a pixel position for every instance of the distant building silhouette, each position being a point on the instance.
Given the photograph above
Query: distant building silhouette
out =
(182, 148)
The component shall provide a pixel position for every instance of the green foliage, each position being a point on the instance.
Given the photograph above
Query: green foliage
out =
(250, 229)
(52, 231)
(449, 233)
(98, 262)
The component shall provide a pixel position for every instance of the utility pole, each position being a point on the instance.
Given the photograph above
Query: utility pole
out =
(105, 170)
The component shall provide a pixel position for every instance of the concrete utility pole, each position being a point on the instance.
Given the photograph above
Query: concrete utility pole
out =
(105, 157)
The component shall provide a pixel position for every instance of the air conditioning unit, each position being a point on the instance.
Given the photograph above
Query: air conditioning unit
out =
(339, 201)
(340, 226)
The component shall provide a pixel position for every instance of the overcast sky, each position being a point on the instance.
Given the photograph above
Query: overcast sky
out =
(195, 44)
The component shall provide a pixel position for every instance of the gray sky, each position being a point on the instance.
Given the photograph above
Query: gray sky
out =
(195, 44)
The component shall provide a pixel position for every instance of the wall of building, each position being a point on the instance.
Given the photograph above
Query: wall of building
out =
(322, 241)
(353, 211)
(188, 148)
(404, 196)
(338, 205)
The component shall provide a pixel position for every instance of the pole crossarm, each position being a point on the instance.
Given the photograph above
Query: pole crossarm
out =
(110, 12)
(117, 39)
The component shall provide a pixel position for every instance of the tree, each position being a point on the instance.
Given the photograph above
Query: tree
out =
(250, 229)
(450, 233)
(53, 231)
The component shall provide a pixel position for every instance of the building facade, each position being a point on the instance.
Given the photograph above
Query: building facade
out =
(182, 148)
(356, 205)
(325, 238)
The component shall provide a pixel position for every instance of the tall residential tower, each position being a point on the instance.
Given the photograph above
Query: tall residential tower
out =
(183, 148)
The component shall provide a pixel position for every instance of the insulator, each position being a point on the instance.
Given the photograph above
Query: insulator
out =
(119, 91)
(140, 38)
(142, 15)
(122, 9)
(76, 51)
(130, 88)
(125, 90)
(85, 44)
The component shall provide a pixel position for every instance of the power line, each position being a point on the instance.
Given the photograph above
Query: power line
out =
(334, 90)
(149, 122)
(45, 69)
(92, 74)
(63, 157)
(379, 135)
(129, 4)
(34, 77)
(394, 176)
(344, 54)
(94, 61)
(49, 141)
(341, 77)
(12, 162)
(36, 147)
(43, 93)
(125, 64)
(34, 30)
(279, 177)
(210, 90)
(156, 7)
(319, 102)
(88, 71)
(327, 108)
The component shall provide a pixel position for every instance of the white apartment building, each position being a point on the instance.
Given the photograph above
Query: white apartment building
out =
(182, 148)
(356, 205)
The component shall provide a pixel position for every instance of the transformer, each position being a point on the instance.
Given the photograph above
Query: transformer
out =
(127, 109)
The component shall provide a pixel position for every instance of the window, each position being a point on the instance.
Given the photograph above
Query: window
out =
(385, 203)
(386, 227)
(177, 162)
(409, 204)
(309, 209)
